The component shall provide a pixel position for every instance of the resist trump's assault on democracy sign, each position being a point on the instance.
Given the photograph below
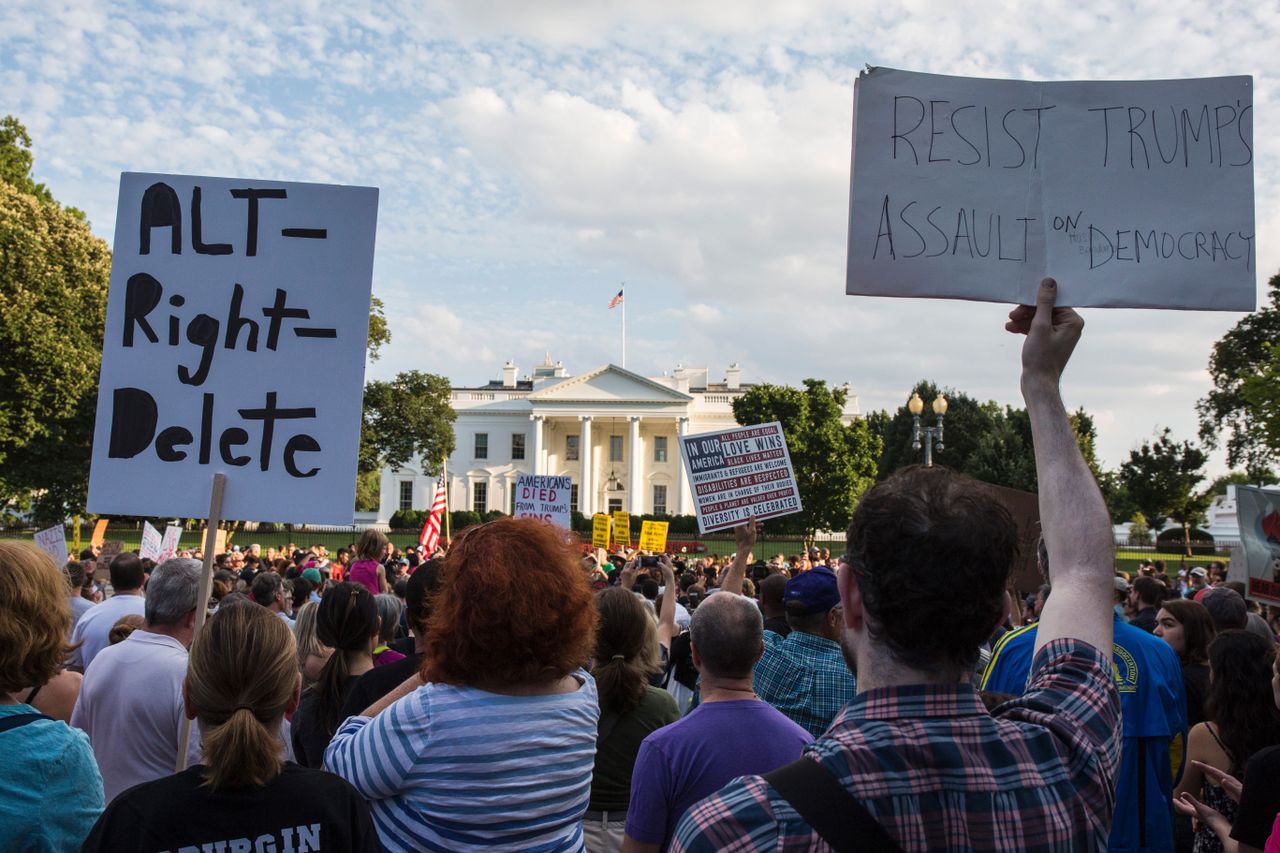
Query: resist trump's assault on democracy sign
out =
(1132, 194)
(237, 319)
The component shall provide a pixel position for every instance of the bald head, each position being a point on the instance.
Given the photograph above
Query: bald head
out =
(727, 631)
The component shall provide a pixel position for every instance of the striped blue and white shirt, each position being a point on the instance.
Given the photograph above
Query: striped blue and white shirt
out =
(451, 768)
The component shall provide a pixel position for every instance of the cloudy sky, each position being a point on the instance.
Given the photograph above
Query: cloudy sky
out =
(532, 154)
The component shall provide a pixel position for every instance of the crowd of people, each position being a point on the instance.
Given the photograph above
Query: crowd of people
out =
(510, 692)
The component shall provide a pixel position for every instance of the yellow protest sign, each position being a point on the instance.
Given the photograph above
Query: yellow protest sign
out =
(600, 530)
(99, 533)
(653, 536)
(622, 528)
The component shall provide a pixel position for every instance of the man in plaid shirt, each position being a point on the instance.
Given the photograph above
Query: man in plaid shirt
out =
(922, 587)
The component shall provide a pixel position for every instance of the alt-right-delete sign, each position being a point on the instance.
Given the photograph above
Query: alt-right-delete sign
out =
(739, 474)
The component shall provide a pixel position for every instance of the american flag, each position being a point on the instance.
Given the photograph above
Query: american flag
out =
(430, 537)
(616, 301)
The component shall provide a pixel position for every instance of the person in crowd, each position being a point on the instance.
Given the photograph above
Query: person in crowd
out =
(74, 572)
(731, 733)
(389, 610)
(367, 569)
(50, 788)
(922, 588)
(125, 626)
(626, 658)
(508, 634)
(338, 568)
(773, 606)
(312, 654)
(90, 633)
(242, 680)
(1188, 629)
(1242, 718)
(1144, 599)
(268, 591)
(130, 703)
(1226, 608)
(300, 592)
(1124, 594)
(1199, 582)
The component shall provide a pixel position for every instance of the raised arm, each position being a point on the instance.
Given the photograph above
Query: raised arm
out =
(667, 616)
(1073, 517)
(744, 536)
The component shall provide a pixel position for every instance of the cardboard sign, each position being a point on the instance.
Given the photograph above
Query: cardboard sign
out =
(622, 528)
(99, 533)
(653, 536)
(738, 474)
(235, 343)
(1025, 508)
(1131, 194)
(108, 553)
(543, 497)
(53, 541)
(600, 524)
(151, 543)
(1258, 514)
(169, 544)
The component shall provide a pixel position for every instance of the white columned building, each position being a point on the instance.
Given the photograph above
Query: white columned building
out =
(614, 432)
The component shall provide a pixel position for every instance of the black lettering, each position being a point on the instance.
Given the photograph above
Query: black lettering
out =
(235, 323)
(1093, 262)
(1004, 122)
(903, 136)
(977, 155)
(160, 209)
(253, 195)
(1106, 130)
(306, 233)
(886, 230)
(206, 426)
(1141, 242)
(933, 122)
(203, 332)
(962, 228)
(1203, 121)
(1155, 132)
(1133, 128)
(133, 422)
(1181, 252)
(1122, 246)
(902, 214)
(973, 241)
(232, 438)
(943, 234)
(141, 295)
(1200, 240)
(300, 443)
(269, 414)
(1243, 141)
(1219, 124)
(168, 442)
(1035, 151)
(197, 241)
(278, 312)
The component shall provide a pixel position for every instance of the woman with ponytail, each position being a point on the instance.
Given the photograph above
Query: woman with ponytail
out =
(347, 622)
(242, 678)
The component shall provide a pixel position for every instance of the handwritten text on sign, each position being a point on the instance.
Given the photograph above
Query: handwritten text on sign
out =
(235, 338)
(1132, 194)
(543, 497)
(738, 474)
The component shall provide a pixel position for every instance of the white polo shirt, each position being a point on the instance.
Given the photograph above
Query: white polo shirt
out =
(130, 705)
(92, 628)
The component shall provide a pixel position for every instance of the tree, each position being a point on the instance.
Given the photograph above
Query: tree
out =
(967, 421)
(406, 417)
(379, 334)
(1161, 477)
(53, 292)
(1241, 405)
(1239, 478)
(834, 462)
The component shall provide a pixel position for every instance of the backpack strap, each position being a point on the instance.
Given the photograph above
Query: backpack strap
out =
(13, 721)
(825, 804)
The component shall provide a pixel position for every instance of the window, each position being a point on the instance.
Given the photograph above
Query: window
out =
(517, 445)
(480, 497)
(615, 505)
(573, 495)
(660, 448)
(482, 445)
(659, 500)
(571, 448)
(406, 494)
(615, 448)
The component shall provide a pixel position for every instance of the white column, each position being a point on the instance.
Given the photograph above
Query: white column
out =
(635, 479)
(684, 498)
(586, 487)
(537, 442)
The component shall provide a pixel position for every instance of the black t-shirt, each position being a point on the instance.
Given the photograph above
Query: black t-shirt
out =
(1260, 798)
(300, 809)
(307, 730)
(1195, 677)
(378, 682)
(778, 625)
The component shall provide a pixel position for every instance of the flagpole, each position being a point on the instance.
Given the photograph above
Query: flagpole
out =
(624, 325)
(444, 478)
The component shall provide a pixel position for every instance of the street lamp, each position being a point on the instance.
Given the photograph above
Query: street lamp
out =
(930, 434)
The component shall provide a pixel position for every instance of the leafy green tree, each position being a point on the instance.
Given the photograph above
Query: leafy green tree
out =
(1161, 478)
(834, 462)
(1139, 531)
(1243, 409)
(368, 491)
(406, 417)
(1239, 478)
(379, 334)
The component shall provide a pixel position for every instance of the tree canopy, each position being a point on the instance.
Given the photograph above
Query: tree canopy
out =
(1160, 479)
(405, 417)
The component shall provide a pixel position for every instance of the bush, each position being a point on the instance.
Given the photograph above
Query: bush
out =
(462, 519)
(1139, 532)
(1173, 541)
(409, 519)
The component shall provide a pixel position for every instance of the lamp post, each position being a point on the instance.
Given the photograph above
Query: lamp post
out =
(930, 434)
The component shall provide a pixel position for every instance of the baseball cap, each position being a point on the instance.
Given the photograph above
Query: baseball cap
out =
(1122, 585)
(1199, 572)
(815, 590)
(312, 575)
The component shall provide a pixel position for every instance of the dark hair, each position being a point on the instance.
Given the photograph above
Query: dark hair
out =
(932, 551)
(345, 621)
(648, 587)
(302, 589)
(265, 587)
(772, 589)
(418, 590)
(1240, 698)
(1227, 609)
(1150, 591)
(126, 572)
(626, 652)
(1197, 628)
(727, 630)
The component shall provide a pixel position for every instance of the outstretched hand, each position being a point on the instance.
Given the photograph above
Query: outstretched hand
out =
(744, 535)
(1052, 334)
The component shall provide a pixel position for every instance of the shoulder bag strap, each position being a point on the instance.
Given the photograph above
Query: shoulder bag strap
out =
(834, 813)
(15, 720)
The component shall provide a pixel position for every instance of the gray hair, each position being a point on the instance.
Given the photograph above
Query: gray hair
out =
(173, 591)
(389, 609)
(727, 630)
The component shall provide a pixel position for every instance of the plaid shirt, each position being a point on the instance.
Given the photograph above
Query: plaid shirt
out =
(805, 677)
(940, 773)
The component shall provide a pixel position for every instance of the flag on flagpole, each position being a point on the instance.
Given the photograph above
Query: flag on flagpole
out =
(430, 536)
(616, 301)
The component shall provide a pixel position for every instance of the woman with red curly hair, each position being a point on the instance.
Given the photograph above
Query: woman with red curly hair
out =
(492, 744)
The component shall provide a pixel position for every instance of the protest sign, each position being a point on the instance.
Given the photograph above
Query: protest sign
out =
(151, 543)
(739, 473)
(600, 530)
(1258, 514)
(230, 348)
(544, 497)
(99, 533)
(169, 544)
(1132, 194)
(53, 541)
(109, 552)
(1025, 508)
(653, 536)
(622, 528)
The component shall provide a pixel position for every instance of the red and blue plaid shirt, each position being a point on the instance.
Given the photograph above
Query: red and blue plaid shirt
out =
(939, 772)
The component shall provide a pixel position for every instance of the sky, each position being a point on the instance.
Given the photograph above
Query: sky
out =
(531, 156)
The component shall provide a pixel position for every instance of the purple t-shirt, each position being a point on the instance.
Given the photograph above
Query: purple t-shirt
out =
(700, 754)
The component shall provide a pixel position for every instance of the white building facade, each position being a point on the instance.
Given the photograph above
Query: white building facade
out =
(614, 432)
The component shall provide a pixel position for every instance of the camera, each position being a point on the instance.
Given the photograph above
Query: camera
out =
(648, 562)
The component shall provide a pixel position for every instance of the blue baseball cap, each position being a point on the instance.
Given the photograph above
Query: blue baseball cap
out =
(815, 590)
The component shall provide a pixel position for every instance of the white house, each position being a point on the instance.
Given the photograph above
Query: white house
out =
(613, 431)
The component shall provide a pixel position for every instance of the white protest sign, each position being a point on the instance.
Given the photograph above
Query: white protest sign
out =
(1131, 194)
(1258, 514)
(739, 474)
(235, 343)
(151, 543)
(545, 497)
(53, 541)
(169, 544)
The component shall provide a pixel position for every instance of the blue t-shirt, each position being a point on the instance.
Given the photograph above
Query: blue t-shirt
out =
(1153, 712)
(50, 789)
